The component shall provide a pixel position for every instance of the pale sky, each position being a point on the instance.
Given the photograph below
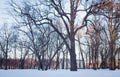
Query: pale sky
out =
(4, 14)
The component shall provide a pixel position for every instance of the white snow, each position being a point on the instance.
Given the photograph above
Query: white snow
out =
(60, 73)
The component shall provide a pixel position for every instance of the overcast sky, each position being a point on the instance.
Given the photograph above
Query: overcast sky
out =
(4, 14)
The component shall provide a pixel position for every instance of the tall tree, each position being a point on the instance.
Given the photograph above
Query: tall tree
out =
(69, 23)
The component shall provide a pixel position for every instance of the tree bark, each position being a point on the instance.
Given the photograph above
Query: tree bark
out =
(73, 62)
(6, 61)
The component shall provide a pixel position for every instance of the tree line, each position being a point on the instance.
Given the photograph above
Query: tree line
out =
(63, 34)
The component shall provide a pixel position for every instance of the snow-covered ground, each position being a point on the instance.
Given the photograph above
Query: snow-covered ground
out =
(59, 73)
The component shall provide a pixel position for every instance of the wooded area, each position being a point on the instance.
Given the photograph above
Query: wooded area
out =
(62, 34)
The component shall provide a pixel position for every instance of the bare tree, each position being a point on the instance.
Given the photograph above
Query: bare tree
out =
(6, 40)
(68, 19)
(109, 10)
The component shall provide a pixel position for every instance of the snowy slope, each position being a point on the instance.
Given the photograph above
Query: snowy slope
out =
(59, 73)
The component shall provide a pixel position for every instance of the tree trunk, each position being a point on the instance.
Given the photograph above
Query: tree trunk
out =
(73, 56)
(73, 61)
(118, 60)
(40, 66)
(22, 64)
(112, 63)
(83, 61)
(118, 63)
(72, 51)
(57, 62)
(1, 62)
(89, 58)
(6, 62)
(67, 60)
(103, 64)
(63, 60)
(79, 61)
(112, 57)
